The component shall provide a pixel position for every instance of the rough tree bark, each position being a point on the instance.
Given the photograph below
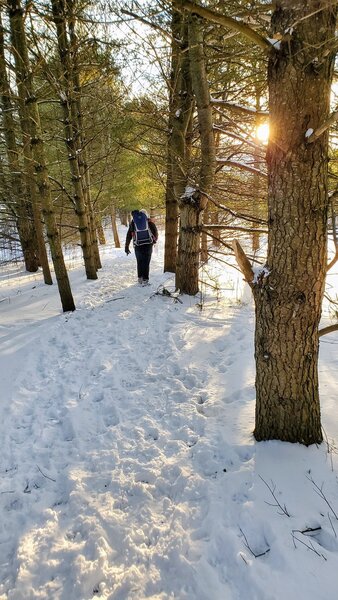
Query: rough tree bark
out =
(180, 114)
(23, 81)
(114, 227)
(100, 232)
(30, 108)
(79, 129)
(288, 293)
(289, 290)
(69, 108)
(18, 201)
(193, 203)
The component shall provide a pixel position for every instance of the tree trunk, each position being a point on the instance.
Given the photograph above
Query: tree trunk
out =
(68, 104)
(19, 203)
(204, 236)
(217, 233)
(257, 183)
(289, 292)
(114, 227)
(30, 109)
(171, 223)
(100, 232)
(180, 110)
(77, 114)
(193, 203)
(29, 191)
(123, 214)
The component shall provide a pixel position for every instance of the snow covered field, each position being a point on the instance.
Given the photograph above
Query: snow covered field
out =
(128, 466)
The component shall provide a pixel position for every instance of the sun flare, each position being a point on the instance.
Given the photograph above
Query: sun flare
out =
(262, 133)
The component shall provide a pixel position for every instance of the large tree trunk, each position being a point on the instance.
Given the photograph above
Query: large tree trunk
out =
(289, 292)
(31, 117)
(193, 203)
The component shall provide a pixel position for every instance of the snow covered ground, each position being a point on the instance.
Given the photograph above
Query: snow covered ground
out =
(128, 466)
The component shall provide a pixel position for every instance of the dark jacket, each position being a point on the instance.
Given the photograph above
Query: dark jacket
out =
(131, 232)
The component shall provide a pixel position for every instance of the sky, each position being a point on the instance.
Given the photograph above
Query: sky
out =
(128, 465)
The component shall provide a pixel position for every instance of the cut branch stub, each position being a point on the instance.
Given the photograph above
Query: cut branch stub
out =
(243, 262)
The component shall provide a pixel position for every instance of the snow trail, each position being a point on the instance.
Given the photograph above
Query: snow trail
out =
(128, 469)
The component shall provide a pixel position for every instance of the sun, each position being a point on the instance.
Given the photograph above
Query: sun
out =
(262, 133)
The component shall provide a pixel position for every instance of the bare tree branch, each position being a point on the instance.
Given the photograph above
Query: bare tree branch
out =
(243, 262)
(228, 22)
(222, 162)
(329, 329)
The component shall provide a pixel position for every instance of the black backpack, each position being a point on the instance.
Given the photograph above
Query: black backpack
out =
(142, 232)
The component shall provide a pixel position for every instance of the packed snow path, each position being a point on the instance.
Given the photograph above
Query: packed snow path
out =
(128, 468)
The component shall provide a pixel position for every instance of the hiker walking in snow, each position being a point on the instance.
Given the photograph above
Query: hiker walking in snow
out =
(144, 234)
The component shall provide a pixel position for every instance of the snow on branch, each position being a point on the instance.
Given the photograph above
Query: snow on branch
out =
(239, 138)
(239, 107)
(222, 162)
(312, 136)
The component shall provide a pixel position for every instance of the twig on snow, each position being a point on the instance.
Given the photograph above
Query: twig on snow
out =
(307, 530)
(46, 476)
(333, 529)
(113, 299)
(163, 291)
(247, 545)
(330, 447)
(243, 557)
(278, 504)
(319, 491)
(310, 546)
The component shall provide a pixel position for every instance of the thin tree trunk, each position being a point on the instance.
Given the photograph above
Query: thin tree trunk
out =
(289, 292)
(19, 203)
(171, 223)
(123, 214)
(114, 227)
(257, 184)
(82, 154)
(179, 116)
(68, 105)
(30, 109)
(31, 187)
(217, 232)
(204, 235)
(100, 232)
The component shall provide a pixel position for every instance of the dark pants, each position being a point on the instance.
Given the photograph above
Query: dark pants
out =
(143, 256)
